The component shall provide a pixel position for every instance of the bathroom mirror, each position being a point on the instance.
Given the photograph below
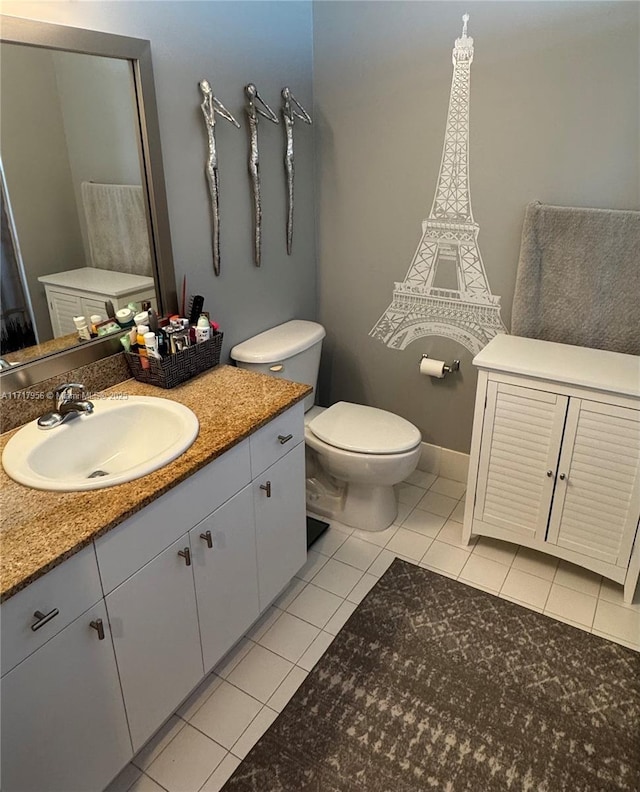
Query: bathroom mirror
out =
(84, 209)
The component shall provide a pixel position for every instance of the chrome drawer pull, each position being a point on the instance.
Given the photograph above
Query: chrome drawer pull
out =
(207, 538)
(284, 438)
(98, 626)
(267, 488)
(43, 618)
(186, 554)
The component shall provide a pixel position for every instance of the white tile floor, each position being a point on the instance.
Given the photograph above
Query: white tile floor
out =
(198, 749)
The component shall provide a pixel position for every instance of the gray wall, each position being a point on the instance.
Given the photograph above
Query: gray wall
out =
(40, 190)
(99, 112)
(231, 44)
(554, 117)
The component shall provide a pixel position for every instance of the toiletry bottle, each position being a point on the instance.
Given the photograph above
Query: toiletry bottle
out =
(161, 343)
(151, 345)
(95, 320)
(142, 330)
(203, 329)
(141, 318)
(84, 334)
(124, 317)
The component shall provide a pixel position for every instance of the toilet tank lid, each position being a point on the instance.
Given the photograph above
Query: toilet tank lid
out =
(279, 343)
(365, 430)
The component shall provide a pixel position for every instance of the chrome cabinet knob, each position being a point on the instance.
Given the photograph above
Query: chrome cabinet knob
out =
(550, 473)
(98, 626)
(563, 476)
(267, 488)
(43, 618)
(186, 554)
(206, 537)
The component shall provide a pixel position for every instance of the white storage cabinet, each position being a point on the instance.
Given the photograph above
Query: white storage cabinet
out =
(84, 291)
(555, 456)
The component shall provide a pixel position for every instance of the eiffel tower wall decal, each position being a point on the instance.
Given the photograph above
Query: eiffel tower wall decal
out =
(470, 313)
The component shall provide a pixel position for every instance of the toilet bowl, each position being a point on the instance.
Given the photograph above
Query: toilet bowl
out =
(354, 454)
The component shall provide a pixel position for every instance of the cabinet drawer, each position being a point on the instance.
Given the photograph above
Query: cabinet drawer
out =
(275, 439)
(70, 589)
(127, 548)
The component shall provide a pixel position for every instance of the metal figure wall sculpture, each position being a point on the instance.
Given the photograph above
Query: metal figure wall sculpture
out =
(210, 106)
(251, 93)
(289, 114)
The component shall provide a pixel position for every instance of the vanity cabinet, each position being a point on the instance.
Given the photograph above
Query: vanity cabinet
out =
(63, 719)
(155, 634)
(182, 581)
(226, 575)
(555, 457)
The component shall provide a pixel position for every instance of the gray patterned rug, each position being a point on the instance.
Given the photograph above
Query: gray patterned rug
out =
(433, 685)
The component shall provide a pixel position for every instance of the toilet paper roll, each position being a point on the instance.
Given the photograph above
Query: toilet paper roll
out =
(432, 368)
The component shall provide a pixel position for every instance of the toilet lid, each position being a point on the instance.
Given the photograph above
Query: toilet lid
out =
(365, 430)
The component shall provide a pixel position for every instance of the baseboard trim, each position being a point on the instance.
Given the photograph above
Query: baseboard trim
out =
(444, 462)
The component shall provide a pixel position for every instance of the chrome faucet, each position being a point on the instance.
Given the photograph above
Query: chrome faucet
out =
(70, 403)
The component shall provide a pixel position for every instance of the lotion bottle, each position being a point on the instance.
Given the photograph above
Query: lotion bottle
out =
(84, 333)
(203, 329)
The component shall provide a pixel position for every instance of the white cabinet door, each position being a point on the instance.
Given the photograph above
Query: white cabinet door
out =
(62, 308)
(521, 438)
(156, 638)
(224, 566)
(63, 721)
(597, 500)
(281, 527)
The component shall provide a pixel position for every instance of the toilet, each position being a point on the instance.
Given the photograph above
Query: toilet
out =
(354, 454)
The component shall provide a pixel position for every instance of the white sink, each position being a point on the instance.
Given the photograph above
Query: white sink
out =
(121, 440)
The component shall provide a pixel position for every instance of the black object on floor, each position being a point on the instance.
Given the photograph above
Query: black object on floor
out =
(315, 529)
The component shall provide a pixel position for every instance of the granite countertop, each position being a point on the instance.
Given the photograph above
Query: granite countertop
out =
(40, 529)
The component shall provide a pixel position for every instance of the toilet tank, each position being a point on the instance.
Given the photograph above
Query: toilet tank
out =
(290, 351)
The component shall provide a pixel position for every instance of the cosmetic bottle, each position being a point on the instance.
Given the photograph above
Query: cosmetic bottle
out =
(141, 318)
(142, 330)
(94, 321)
(161, 343)
(203, 329)
(124, 317)
(151, 345)
(84, 334)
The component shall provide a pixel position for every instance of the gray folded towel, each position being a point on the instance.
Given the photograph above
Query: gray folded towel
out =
(578, 279)
(117, 227)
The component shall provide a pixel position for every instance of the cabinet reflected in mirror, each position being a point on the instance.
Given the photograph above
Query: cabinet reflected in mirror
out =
(84, 209)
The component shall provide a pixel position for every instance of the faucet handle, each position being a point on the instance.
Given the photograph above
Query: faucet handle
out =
(65, 392)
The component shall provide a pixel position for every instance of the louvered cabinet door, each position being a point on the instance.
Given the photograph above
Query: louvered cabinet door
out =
(597, 500)
(520, 445)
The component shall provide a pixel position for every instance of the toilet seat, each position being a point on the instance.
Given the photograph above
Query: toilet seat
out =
(365, 430)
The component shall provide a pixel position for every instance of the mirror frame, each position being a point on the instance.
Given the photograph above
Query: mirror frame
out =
(15, 30)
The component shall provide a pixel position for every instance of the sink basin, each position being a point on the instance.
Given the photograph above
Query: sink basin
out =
(121, 440)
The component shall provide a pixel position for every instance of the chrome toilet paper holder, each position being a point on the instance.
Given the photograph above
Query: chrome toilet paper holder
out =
(448, 368)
